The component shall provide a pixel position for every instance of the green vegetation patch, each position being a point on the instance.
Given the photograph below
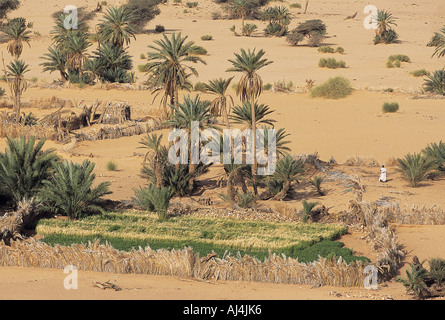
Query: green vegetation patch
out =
(127, 230)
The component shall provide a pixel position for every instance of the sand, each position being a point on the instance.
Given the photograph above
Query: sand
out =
(354, 126)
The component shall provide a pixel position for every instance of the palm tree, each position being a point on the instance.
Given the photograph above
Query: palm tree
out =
(280, 143)
(415, 281)
(440, 49)
(307, 209)
(436, 82)
(184, 115)
(219, 105)
(288, 170)
(16, 33)
(243, 115)
(153, 144)
(437, 152)
(416, 167)
(235, 173)
(117, 27)
(70, 190)
(240, 8)
(23, 167)
(249, 88)
(17, 70)
(55, 61)
(76, 46)
(167, 67)
(60, 32)
(384, 21)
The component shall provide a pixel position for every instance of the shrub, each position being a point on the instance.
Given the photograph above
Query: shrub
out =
(307, 209)
(340, 50)
(198, 50)
(154, 199)
(437, 269)
(437, 152)
(192, 4)
(249, 28)
(159, 28)
(111, 166)
(331, 63)
(23, 167)
(415, 168)
(207, 37)
(246, 200)
(326, 49)
(69, 191)
(283, 86)
(435, 83)
(8, 5)
(420, 73)
(143, 11)
(333, 88)
(275, 29)
(313, 30)
(267, 87)
(390, 107)
(142, 56)
(388, 37)
(396, 60)
(316, 182)
(295, 5)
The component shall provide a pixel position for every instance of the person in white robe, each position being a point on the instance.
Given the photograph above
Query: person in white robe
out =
(382, 174)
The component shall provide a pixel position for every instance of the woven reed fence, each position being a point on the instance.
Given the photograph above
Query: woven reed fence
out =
(182, 263)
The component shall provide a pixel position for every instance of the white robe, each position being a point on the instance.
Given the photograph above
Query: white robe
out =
(382, 175)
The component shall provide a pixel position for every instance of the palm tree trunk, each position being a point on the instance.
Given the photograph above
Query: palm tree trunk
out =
(192, 168)
(230, 188)
(254, 167)
(280, 195)
(158, 173)
(305, 7)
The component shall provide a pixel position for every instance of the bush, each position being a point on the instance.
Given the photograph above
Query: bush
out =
(198, 50)
(420, 73)
(111, 166)
(249, 28)
(307, 209)
(267, 87)
(207, 37)
(313, 30)
(246, 200)
(333, 88)
(275, 29)
(326, 49)
(390, 107)
(154, 199)
(159, 28)
(23, 167)
(192, 4)
(69, 191)
(331, 63)
(435, 83)
(8, 5)
(295, 5)
(340, 50)
(396, 60)
(436, 40)
(389, 36)
(283, 86)
(143, 11)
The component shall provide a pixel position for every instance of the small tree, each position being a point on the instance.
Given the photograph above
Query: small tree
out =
(16, 32)
(384, 32)
(313, 30)
(307, 209)
(16, 70)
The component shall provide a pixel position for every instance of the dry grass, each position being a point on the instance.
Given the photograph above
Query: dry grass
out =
(362, 161)
(182, 263)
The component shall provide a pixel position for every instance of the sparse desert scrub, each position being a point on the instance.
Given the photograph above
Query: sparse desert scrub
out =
(283, 86)
(333, 88)
(420, 73)
(295, 5)
(390, 107)
(326, 49)
(111, 165)
(331, 63)
(395, 61)
(313, 30)
(207, 37)
(143, 11)
(435, 83)
(365, 161)
(159, 28)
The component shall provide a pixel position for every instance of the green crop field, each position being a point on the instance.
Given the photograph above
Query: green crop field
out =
(131, 229)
